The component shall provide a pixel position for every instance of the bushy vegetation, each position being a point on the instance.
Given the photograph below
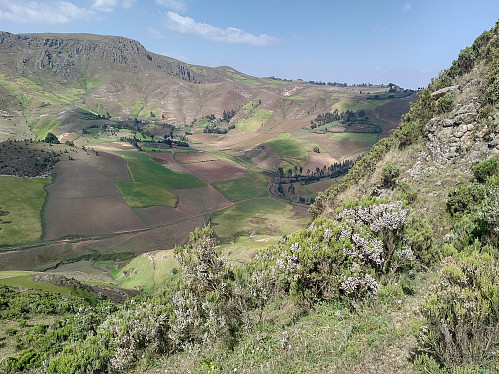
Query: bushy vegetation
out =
(462, 311)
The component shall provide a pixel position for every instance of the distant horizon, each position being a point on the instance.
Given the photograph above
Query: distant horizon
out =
(355, 42)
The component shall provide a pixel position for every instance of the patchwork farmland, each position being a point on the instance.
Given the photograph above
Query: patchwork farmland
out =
(123, 188)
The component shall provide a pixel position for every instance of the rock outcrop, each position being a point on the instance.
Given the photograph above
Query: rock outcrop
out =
(462, 132)
(68, 56)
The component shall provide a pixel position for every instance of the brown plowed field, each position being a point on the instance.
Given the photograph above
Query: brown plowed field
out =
(43, 256)
(166, 160)
(83, 201)
(318, 160)
(188, 158)
(265, 156)
(392, 111)
(191, 202)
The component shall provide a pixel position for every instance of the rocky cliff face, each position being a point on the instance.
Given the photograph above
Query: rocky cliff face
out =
(68, 56)
(462, 132)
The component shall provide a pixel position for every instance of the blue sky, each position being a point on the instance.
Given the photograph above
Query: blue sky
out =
(352, 41)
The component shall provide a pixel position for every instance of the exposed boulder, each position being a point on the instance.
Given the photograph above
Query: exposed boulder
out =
(438, 94)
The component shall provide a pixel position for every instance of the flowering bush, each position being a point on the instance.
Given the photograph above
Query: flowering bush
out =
(137, 329)
(204, 305)
(346, 254)
(462, 311)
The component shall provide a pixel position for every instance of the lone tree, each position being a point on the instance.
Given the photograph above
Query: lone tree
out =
(51, 138)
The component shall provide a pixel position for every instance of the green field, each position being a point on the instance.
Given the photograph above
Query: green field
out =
(244, 79)
(253, 123)
(250, 186)
(293, 151)
(355, 137)
(141, 195)
(152, 181)
(24, 280)
(144, 169)
(149, 271)
(49, 126)
(263, 216)
(23, 200)
(355, 104)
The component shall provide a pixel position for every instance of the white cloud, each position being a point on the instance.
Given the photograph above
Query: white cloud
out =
(54, 12)
(111, 5)
(176, 5)
(232, 35)
(407, 7)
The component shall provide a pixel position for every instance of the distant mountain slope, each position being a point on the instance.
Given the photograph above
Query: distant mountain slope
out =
(44, 76)
(71, 57)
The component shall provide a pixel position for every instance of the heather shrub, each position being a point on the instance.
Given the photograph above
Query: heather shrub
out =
(83, 356)
(462, 198)
(135, 330)
(345, 256)
(389, 174)
(445, 103)
(462, 312)
(204, 307)
(485, 169)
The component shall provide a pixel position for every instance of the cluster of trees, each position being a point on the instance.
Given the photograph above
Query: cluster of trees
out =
(336, 84)
(214, 129)
(347, 118)
(214, 126)
(298, 174)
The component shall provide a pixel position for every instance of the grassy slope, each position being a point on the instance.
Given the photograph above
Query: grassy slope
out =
(264, 216)
(253, 185)
(23, 199)
(293, 151)
(253, 123)
(356, 137)
(329, 339)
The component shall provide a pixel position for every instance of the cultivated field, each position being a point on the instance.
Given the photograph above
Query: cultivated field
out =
(262, 216)
(21, 201)
(84, 201)
(108, 198)
(253, 185)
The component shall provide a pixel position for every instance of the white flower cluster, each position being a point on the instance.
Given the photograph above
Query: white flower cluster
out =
(291, 260)
(405, 254)
(490, 210)
(134, 330)
(377, 216)
(359, 283)
(367, 247)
